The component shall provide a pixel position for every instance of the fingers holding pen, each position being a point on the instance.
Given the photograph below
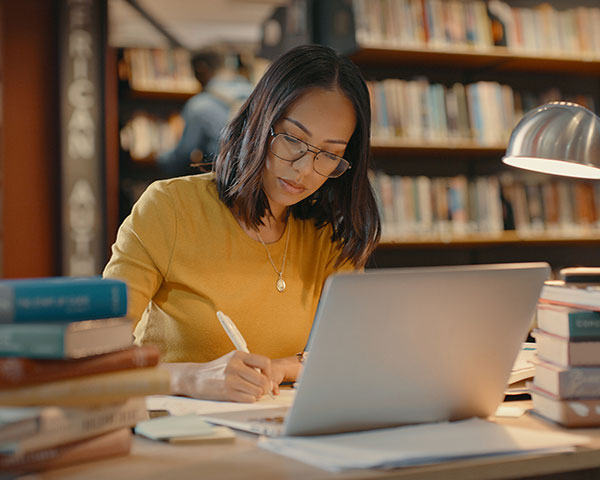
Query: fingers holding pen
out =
(258, 362)
(264, 365)
(249, 374)
(232, 377)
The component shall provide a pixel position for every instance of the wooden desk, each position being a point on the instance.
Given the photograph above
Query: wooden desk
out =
(244, 459)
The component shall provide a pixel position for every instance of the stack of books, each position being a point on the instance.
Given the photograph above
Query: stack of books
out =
(71, 383)
(566, 386)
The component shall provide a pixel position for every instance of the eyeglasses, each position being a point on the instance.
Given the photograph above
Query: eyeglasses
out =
(290, 149)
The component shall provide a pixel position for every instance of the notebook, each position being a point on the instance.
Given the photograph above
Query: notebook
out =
(401, 346)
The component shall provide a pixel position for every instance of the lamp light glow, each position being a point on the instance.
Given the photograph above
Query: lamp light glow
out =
(554, 167)
(559, 138)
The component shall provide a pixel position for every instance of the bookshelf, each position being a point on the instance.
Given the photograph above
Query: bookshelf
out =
(153, 86)
(533, 74)
(402, 146)
(498, 58)
(407, 49)
(491, 240)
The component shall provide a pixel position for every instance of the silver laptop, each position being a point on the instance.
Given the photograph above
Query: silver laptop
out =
(399, 346)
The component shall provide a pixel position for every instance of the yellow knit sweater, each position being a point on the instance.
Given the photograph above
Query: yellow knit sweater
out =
(184, 256)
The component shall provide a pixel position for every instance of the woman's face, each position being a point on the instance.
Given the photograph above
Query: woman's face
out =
(325, 119)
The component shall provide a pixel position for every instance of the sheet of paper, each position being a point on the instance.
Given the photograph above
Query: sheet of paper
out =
(525, 357)
(418, 444)
(184, 405)
(509, 411)
(523, 369)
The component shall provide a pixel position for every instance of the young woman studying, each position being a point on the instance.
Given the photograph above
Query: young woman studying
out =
(288, 204)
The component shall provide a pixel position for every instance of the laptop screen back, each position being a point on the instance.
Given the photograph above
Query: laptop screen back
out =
(399, 346)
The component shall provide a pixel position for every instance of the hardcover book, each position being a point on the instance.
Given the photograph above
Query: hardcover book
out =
(575, 324)
(572, 382)
(559, 350)
(53, 426)
(61, 299)
(108, 445)
(585, 297)
(570, 413)
(17, 372)
(92, 389)
(65, 340)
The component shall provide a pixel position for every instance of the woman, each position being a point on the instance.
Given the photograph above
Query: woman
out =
(289, 203)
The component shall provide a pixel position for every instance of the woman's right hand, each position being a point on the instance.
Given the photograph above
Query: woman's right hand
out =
(233, 377)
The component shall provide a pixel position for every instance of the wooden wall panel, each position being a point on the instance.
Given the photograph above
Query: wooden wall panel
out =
(30, 139)
(112, 148)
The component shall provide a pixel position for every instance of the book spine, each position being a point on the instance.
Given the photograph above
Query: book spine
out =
(91, 390)
(583, 305)
(578, 324)
(559, 350)
(570, 297)
(584, 324)
(63, 300)
(79, 423)
(579, 383)
(45, 341)
(567, 383)
(16, 372)
(104, 446)
(570, 413)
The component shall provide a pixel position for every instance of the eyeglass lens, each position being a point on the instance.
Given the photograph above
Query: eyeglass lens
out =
(290, 149)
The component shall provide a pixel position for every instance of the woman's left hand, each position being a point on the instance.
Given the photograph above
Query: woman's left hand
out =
(284, 370)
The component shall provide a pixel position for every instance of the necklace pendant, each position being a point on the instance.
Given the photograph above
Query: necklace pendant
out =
(280, 285)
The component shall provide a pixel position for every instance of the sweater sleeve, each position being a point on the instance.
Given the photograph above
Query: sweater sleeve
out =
(142, 253)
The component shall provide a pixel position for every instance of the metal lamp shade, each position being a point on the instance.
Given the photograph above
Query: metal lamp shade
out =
(559, 138)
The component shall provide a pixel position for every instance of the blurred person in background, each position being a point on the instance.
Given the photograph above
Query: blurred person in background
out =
(206, 113)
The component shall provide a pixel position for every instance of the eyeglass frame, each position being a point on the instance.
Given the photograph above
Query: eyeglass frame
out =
(315, 151)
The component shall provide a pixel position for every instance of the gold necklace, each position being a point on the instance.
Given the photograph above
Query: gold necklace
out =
(280, 284)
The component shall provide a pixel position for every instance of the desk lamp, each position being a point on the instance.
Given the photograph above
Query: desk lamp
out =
(559, 138)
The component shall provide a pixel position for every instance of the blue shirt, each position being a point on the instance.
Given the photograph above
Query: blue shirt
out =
(205, 115)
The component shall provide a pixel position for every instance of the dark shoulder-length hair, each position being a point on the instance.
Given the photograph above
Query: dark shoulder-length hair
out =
(346, 203)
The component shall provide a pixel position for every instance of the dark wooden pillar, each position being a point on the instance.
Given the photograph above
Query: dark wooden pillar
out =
(30, 138)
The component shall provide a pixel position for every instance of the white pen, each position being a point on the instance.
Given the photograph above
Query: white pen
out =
(236, 337)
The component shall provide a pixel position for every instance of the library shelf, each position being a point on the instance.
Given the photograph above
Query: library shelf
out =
(154, 94)
(483, 240)
(448, 147)
(532, 76)
(496, 58)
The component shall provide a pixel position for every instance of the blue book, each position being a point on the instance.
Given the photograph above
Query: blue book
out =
(573, 323)
(65, 340)
(61, 299)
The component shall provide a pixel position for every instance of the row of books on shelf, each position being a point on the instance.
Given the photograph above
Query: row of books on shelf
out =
(458, 205)
(483, 112)
(542, 29)
(417, 23)
(566, 384)
(146, 136)
(71, 383)
(547, 30)
(158, 69)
